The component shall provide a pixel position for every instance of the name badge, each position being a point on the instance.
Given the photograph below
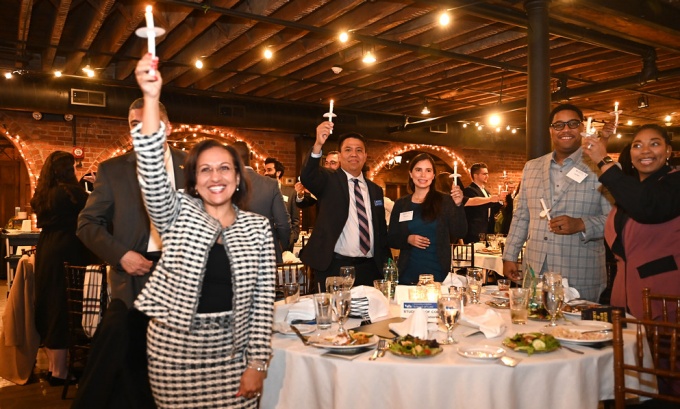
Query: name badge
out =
(577, 175)
(378, 203)
(406, 216)
(285, 198)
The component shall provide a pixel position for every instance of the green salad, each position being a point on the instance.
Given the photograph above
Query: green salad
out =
(531, 342)
(416, 347)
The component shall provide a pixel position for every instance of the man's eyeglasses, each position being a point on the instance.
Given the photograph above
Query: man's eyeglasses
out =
(572, 124)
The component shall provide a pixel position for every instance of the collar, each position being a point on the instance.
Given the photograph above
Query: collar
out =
(574, 157)
(478, 185)
(350, 177)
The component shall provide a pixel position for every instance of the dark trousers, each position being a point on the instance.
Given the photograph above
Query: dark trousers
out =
(365, 269)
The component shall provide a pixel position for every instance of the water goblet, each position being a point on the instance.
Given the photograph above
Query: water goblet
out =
(553, 295)
(448, 307)
(342, 303)
(474, 280)
(334, 283)
(348, 275)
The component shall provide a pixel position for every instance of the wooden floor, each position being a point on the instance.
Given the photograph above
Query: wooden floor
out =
(37, 394)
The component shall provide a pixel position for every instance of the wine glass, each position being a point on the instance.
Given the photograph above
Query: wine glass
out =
(342, 303)
(448, 307)
(553, 295)
(491, 239)
(348, 276)
(474, 281)
(334, 283)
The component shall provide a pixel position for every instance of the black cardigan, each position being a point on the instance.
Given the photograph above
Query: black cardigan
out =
(451, 226)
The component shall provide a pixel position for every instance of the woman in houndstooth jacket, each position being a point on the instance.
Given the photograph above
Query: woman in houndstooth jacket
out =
(211, 296)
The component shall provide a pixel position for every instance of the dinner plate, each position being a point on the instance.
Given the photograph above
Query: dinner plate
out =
(284, 328)
(500, 304)
(326, 344)
(484, 352)
(570, 334)
(434, 353)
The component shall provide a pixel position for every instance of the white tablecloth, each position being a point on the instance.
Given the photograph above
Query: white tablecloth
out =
(493, 262)
(299, 377)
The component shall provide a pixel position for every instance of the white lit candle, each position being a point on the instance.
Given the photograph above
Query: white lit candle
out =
(590, 119)
(505, 174)
(151, 35)
(330, 114)
(546, 211)
(616, 106)
(455, 173)
(499, 190)
(616, 113)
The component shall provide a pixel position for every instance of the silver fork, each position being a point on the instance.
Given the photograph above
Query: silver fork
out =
(379, 350)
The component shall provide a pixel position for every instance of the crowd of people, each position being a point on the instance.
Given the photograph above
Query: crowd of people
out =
(193, 239)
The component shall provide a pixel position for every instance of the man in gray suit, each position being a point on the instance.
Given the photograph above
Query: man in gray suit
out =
(265, 199)
(570, 242)
(275, 170)
(114, 223)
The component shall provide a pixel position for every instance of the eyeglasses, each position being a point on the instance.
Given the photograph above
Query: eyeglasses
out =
(572, 124)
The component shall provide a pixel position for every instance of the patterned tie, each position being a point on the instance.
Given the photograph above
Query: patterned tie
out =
(364, 235)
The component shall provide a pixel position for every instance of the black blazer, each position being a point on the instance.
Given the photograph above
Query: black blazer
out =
(451, 225)
(332, 192)
(478, 216)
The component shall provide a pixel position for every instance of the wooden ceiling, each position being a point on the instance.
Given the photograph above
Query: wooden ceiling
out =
(601, 51)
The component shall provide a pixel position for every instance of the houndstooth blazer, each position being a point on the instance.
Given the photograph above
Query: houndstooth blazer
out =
(579, 257)
(188, 232)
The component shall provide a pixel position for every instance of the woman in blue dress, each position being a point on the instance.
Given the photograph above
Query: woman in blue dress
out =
(425, 223)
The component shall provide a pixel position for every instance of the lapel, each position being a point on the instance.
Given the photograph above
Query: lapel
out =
(569, 183)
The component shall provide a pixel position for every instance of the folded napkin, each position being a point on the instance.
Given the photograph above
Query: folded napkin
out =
(301, 310)
(369, 303)
(415, 325)
(570, 293)
(289, 258)
(454, 280)
(478, 246)
(487, 320)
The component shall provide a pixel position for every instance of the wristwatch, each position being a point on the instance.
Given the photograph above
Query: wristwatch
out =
(605, 161)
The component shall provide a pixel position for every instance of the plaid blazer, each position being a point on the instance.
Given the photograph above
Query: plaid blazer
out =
(188, 232)
(579, 257)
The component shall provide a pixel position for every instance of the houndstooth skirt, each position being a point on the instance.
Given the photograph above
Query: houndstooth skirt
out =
(195, 369)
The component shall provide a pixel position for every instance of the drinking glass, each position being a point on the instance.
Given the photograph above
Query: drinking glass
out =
(491, 239)
(482, 238)
(348, 275)
(384, 286)
(519, 301)
(291, 292)
(474, 280)
(553, 295)
(448, 307)
(342, 303)
(334, 283)
(322, 309)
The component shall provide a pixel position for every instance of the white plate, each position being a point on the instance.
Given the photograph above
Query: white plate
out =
(581, 326)
(284, 328)
(325, 344)
(489, 289)
(578, 314)
(484, 352)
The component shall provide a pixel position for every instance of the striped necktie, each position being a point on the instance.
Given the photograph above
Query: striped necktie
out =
(364, 235)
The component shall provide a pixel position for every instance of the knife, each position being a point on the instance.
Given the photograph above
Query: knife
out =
(304, 339)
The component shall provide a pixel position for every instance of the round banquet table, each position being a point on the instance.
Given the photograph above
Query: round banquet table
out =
(493, 262)
(301, 377)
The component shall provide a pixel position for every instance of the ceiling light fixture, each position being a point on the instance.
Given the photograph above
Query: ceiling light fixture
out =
(494, 120)
(268, 54)
(198, 64)
(57, 74)
(369, 58)
(668, 120)
(444, 18)
(343, 37)
(465, 125)
(629, 123)
(426, 110)
(643, 102)
(618, 135)
(88, 70)
(514, 130)
(8, 75)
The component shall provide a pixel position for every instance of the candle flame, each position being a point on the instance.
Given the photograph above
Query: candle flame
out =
(148, 9)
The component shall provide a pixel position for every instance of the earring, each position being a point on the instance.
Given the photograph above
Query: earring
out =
(237, 188)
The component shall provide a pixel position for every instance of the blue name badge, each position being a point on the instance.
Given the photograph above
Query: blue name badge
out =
(378, 203)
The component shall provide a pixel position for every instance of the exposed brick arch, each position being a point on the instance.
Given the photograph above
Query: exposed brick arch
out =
(30, 151)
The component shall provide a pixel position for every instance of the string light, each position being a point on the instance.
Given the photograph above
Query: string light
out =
(399, 151)
(343, 37)
(19, 145)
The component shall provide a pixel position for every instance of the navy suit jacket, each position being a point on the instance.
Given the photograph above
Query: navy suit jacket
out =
(478, 219)
(332, 192)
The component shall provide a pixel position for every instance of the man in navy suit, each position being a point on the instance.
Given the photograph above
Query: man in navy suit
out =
(275, 170)
(350, 228)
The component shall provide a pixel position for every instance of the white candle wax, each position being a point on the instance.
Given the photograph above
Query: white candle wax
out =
(545, 209)
(616, 106)
(505, 174)
(455, 173)
(499, 190)
(151, 39)
(590, 119)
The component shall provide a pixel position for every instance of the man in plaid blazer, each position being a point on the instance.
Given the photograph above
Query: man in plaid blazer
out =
(569, 241)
